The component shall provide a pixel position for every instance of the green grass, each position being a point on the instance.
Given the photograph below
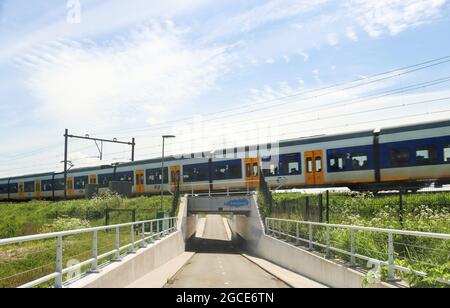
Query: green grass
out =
(421, 212)
(25, 262)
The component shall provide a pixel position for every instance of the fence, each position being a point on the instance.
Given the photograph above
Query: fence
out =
(422, 252)
(108, 215)
(305, 208)
(105, 247)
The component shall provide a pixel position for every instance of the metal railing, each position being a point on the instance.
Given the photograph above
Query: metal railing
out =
(320, 235)
(158, 228)
(226, 187)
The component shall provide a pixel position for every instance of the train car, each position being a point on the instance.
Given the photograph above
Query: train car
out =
(410, 157)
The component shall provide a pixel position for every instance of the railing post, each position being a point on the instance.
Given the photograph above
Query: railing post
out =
(143, 243)
(151, 231)
(311, 246)
(391, 273)
(352, 248)
(267, 226)
(132, 249)
(94, 266)
(328, 243)
(158, 235)
(59, 263)
(287, 230)
(117, 256)
(297, 233)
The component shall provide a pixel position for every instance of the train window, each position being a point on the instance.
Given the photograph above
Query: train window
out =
(337, 163)
(255, 169)
(236, 171)
(29, 187)
(360, 161)
(47, 185)
(194, 173)
(290, 164)
(151, 178)
(271, 171)
(400, 157)
(447, 153)
(59, 184)
(221, 172)
(319, 164)
(81, 182)
(154, 176)
(13, 188)
(426, 155)
(125, 177)
(248, 170)
(309, 164)
(3, 189)
(104, 180)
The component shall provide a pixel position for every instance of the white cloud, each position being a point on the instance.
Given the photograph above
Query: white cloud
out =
(148, 73)
(270, 61)
(333, 39)
(316, 76)
(351, 34)
(393, 16)
(304, 55)
(270, 11)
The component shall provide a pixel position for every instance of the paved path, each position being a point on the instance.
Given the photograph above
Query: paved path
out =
(217, 264)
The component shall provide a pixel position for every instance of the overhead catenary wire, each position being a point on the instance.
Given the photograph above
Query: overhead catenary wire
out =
(440, 61)
(351, 85)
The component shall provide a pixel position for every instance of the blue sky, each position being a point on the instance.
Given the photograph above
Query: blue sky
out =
(128, 66)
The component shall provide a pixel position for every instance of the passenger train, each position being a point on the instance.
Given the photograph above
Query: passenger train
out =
(410, 157)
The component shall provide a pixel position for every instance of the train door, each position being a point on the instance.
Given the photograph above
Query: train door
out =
(139, 181)
(175, 177)
(252, 172)
(314, 167)
(21, 191)
(93, 179)
(37, 189)
(70, 191)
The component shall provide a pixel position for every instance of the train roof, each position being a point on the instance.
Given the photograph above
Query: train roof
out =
(283, 143)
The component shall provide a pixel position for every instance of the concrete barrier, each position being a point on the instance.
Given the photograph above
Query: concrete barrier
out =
(250, 231)
(135, 266)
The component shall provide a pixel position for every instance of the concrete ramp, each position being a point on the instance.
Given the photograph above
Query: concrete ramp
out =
(237, 205)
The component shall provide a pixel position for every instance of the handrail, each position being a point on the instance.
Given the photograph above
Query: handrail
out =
(164, 227)
(360, 228)
(274, 226)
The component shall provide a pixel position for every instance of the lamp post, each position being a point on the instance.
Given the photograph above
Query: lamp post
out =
(162, 170)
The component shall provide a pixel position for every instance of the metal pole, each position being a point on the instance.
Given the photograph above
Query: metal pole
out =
(311, 246)
(328, 243)
(143, 243)
(117, 257)
(391, 273)
(95, 252)
(162, 177)
(328, 206)
(132, 250)
(133, 145)
(66, 143)
(59, 263)
(353, 248)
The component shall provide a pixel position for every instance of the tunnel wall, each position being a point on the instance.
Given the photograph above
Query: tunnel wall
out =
(250, 232)
(136, 266)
